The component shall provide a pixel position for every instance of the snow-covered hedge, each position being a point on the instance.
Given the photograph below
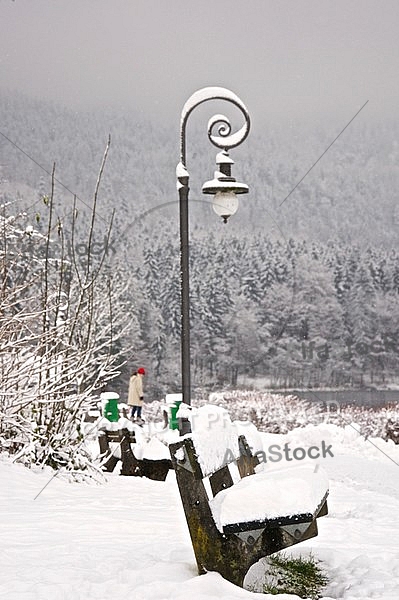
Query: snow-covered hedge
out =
(275, 413)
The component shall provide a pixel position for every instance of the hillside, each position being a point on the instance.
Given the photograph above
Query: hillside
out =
(349, 195)
(302, 287)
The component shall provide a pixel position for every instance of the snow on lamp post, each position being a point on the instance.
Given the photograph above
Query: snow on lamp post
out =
(224, 188)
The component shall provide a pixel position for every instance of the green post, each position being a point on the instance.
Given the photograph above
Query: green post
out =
(173, 420)
(173, 402)
(111, 410)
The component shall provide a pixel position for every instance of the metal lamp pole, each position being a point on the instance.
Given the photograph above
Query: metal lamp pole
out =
(223, 187)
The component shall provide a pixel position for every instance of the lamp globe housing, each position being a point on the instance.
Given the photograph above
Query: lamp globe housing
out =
(224, 187)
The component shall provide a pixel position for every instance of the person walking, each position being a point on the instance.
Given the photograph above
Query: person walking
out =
(136, 396)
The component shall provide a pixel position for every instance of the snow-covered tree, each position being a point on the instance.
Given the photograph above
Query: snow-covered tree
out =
(59, 336)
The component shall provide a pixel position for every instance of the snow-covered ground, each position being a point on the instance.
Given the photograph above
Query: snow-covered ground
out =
(127, 538)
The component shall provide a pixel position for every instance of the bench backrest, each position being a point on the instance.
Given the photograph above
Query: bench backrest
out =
(187, 455)
(118, 435)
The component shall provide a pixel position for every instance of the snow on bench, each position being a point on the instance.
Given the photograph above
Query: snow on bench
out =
(294, 493)
(236, 515)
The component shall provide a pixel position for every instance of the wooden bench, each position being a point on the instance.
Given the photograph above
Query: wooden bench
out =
(153, 469)
(109, 457)
(232, 548)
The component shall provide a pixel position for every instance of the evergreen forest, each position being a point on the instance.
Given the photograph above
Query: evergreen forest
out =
(300, 288)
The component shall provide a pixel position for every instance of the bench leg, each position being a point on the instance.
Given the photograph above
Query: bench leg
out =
(130, 464)
(110, 464)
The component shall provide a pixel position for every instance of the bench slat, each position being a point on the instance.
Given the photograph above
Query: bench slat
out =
(268, 523)
(220, 480)
(246, 462)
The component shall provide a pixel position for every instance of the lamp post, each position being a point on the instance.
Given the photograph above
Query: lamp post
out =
(224, 188)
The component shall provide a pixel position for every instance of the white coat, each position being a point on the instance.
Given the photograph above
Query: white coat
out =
(135, 397)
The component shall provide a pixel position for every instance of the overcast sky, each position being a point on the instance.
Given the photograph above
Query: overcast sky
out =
(283, 58)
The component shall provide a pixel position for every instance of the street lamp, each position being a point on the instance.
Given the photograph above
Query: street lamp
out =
(223, 187)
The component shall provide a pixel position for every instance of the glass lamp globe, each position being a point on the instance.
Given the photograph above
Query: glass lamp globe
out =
(225, 204)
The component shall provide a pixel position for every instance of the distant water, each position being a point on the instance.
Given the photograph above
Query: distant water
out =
(367, 398)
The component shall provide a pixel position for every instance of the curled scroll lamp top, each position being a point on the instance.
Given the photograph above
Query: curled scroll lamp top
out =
(224, 138)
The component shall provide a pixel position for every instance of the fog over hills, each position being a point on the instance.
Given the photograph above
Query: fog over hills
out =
(350, 194)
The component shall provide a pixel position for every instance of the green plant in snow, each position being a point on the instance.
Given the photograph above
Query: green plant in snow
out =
(294, 575)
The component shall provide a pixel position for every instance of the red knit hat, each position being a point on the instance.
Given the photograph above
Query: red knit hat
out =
(141, 371)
